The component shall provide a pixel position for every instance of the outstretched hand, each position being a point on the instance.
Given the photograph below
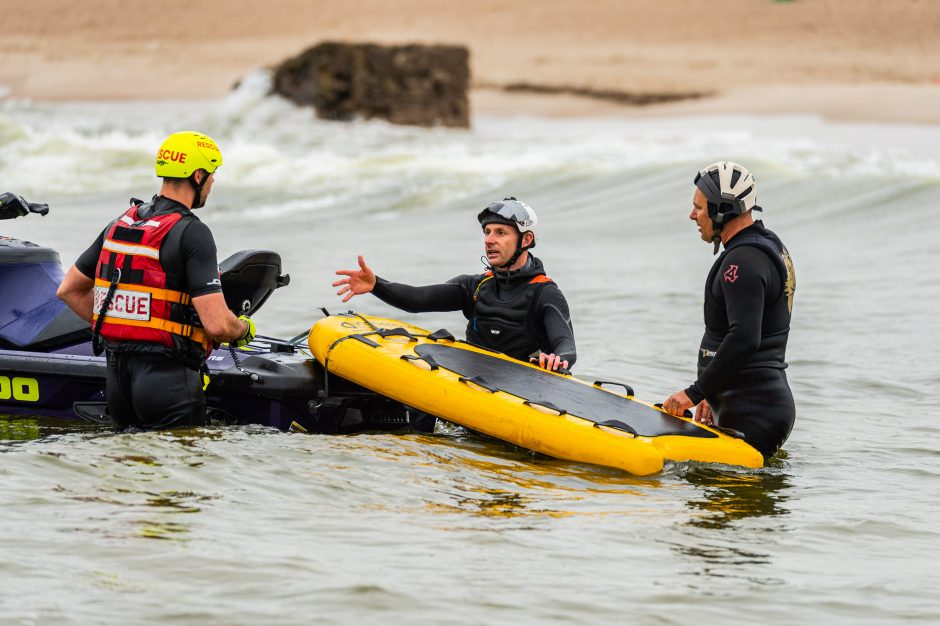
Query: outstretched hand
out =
(356, 282)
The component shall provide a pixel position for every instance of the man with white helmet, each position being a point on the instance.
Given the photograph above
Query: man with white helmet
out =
(150, 287)
(513, 307)
(741, 382)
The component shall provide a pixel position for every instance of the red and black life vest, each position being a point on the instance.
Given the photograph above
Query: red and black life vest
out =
(142, 308)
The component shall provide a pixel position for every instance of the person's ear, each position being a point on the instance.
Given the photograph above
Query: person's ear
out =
(527, 239)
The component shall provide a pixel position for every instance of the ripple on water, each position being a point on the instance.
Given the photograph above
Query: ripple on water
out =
(244, 525)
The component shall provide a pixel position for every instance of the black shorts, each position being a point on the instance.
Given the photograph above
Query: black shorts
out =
(153, 391)
(760, 405)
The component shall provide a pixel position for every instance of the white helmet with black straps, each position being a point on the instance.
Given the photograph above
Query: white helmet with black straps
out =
(514, 213)
(729, 189)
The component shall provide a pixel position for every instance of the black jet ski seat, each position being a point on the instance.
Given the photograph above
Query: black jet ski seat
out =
(249, 277)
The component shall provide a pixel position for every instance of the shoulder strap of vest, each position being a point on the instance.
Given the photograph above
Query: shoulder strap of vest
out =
(128, 217)
(541, 278)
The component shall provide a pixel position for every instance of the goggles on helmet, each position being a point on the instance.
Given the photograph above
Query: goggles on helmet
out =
(511, 211)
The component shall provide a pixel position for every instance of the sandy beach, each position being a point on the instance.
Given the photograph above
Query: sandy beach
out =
(843, 59)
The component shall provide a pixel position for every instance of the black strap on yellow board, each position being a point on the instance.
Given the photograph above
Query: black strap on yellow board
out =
(427, 358)
(443, 333)
(601, 383)
(618, 425)
(479, 381)
(548, 405)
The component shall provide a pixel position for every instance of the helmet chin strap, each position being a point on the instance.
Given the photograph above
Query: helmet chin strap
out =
(197, 188)
(512, 260)
(515, 257)
(504, 268)
(716, 236)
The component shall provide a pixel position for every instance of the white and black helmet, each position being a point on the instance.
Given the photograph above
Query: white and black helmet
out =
(729, 189)
(514, 213)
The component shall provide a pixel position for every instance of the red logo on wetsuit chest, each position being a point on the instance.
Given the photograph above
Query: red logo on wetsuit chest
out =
(731, 274)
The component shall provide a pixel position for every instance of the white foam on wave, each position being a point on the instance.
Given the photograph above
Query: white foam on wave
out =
(281, 159)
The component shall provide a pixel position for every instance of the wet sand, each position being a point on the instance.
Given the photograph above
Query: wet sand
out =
(844, 59)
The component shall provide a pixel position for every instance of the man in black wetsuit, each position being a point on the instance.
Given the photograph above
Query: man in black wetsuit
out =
(741, 381)
(513, 307)
(150, 287)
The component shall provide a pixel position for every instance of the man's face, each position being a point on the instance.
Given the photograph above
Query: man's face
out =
(499, 242)
(699, 215)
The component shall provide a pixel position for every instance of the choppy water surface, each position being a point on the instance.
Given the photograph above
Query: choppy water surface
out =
(250, 526)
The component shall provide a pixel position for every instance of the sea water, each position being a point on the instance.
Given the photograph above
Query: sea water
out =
(247, 525)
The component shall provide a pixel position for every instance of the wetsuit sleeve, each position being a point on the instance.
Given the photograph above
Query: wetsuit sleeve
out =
(447, 296)
(200, 260)
(87, 262)
(556, 319)
(745, 276)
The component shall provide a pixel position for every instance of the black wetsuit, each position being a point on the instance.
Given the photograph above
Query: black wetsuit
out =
(518, 314)
(741, 361)
(146, 385)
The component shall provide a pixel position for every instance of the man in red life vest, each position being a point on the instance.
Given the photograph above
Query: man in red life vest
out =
(513, 307)
(150, 287)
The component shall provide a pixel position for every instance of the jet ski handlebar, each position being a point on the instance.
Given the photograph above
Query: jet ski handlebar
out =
(13, 205)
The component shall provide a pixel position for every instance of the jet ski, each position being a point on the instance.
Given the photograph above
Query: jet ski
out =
(48, 367)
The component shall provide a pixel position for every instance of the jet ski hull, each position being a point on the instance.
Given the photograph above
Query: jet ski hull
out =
(48, 369)
(273, 383)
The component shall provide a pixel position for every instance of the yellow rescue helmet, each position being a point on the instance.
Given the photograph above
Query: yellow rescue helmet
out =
(183, 153)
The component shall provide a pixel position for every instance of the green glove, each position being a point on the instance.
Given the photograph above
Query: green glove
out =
(250, 332)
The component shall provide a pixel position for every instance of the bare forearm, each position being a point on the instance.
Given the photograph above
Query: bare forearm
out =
(224, 326)
(82, 304)
(234, 329)
(77, 291)
(218, 322)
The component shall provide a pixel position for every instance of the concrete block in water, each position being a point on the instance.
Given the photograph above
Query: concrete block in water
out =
(412, 84)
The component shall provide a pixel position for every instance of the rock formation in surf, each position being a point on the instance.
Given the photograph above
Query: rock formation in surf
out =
(412, 84)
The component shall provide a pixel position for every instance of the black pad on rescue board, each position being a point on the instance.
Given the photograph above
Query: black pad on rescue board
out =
(541, 387)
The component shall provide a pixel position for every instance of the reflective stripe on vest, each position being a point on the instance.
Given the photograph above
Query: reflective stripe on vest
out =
(123, 248)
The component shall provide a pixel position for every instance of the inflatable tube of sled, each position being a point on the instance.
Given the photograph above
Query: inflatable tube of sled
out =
(554, 414)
